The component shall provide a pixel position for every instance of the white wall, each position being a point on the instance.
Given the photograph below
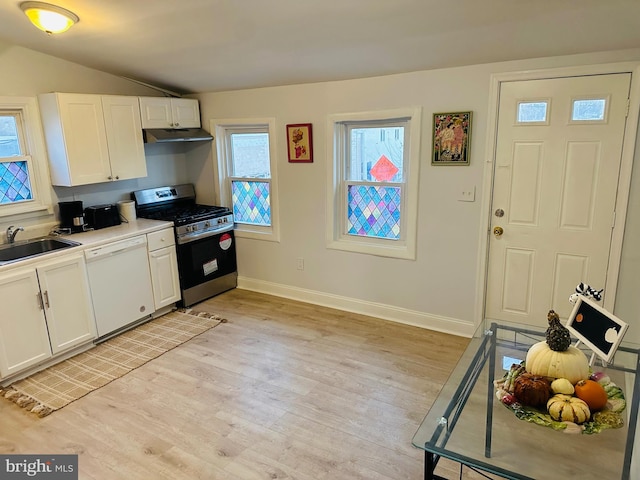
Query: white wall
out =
(438, 288)
(29, 73)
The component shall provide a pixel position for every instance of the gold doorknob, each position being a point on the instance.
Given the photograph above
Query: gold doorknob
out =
(498, 231)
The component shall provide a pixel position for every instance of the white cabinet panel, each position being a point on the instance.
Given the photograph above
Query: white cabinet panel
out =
(92, 138)
(162, 112)
(24, 340)
(76, 139)
(45, 310)
(164, 276)
(67, 303)
(163, 262)
(124, 137)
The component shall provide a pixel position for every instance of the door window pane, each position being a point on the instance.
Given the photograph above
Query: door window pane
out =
(592, 109)
(529, 112)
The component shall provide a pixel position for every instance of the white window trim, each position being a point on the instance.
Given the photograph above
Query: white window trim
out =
(336, 237)
(221, 163)
(35, 149)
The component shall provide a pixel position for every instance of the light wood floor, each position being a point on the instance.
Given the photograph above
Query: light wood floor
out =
(283, 390)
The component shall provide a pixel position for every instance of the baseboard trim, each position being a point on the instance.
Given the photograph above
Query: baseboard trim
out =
(387, 312)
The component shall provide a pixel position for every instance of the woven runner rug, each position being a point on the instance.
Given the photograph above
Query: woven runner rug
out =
(59, 385)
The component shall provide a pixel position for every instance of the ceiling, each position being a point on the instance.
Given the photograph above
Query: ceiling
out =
(193, 46)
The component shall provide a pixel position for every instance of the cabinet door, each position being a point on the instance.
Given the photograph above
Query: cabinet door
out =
(84, 137)
(185, 113)
(164, 276)
(68, 309)
(156, 112)
(124, 137)
(23, 332)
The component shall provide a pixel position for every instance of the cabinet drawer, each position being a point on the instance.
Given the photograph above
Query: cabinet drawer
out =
(161, 239)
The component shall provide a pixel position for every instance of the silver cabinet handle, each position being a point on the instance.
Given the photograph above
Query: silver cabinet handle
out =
(46, 299)
(39, 300)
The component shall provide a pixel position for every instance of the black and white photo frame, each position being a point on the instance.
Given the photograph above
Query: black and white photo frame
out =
(596, 327)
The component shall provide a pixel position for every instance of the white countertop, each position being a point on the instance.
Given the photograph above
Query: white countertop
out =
(94, 238)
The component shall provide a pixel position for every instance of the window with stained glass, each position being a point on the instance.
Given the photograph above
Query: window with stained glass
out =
(374, 198)
(15, 183)
(250, 177)
(374, 180)
(245, 162)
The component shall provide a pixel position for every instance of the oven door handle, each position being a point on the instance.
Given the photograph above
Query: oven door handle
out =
(192, 237)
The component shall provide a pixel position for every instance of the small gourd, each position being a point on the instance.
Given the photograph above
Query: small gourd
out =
(557, 335)
(543, 358)
(562, 385)
(565, 408)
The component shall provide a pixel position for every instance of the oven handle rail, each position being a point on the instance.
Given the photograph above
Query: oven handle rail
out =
(191, 237)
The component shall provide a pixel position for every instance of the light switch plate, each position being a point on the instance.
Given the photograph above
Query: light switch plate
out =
(467, 194)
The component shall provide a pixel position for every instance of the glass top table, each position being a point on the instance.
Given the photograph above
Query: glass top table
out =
(469, 425)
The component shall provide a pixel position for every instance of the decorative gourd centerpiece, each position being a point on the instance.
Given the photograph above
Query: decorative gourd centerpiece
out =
(553, 386)
(555, 357)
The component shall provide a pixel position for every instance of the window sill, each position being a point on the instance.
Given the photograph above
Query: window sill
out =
(8, 212)
(400, 251)
(256, 233)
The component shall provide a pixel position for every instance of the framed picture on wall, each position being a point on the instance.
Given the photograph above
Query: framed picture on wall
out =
(451, 138)
(300, 143)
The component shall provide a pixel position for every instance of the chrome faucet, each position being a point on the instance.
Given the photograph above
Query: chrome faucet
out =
(11, 233)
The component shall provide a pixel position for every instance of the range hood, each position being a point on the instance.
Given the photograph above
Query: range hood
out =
(170, 135)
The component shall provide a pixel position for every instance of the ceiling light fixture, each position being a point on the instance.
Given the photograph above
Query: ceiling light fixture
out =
(49, 18)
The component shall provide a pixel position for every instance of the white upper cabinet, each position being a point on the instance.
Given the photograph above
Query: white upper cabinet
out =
(163, 112)
(124, 137)
(92, 138)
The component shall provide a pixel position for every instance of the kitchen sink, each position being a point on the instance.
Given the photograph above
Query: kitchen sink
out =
(14, 252)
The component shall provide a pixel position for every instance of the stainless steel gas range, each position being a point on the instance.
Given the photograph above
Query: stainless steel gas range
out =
(205, 242)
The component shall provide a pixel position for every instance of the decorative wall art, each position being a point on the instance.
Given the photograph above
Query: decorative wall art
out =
(300, 143)
(451, 138)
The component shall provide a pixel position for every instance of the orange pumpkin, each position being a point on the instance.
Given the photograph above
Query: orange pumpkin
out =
(592, 393)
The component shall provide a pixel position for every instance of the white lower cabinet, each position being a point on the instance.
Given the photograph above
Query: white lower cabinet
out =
(45, 311)
(163, 262)
(67, 303)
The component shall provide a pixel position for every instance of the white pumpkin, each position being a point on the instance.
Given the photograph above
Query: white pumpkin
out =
(571, 364)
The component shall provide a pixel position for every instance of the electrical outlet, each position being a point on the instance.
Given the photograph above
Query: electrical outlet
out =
(467, 194)
(300, 263)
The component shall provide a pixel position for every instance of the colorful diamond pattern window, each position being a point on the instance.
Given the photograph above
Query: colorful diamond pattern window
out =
(374, 211)
(14, 182)
(251, 202)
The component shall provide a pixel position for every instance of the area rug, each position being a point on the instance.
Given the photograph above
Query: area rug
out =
(59, 385)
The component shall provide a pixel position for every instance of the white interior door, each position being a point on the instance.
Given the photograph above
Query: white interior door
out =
(558, 154)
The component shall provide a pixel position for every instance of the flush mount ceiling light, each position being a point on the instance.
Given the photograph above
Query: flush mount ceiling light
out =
(49, 18)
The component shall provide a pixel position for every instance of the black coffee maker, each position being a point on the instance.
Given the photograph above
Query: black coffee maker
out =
(72, 216)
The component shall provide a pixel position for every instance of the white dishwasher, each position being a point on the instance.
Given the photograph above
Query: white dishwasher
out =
(120, 283)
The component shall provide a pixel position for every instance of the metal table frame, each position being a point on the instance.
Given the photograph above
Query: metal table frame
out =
(487, 351)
